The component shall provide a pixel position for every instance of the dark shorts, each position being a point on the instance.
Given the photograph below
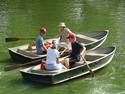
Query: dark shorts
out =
(72, 61)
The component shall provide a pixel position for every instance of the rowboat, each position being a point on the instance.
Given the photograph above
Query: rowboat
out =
(21, 54)
(91, 40)
(95, 59)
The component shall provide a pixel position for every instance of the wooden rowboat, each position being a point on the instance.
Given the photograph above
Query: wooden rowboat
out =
(91, 40)
(95, 59)
(21, 54)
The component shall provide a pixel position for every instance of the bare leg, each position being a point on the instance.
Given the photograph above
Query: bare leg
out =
(65, 62)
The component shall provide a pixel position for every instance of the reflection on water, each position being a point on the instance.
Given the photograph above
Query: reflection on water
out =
(23, 18)
(0, 74)
(3, 17)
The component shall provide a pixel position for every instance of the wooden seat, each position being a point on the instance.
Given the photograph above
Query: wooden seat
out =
(95, 54)
(37, 69)
(26, 53)
(81, 62)
(86, 37)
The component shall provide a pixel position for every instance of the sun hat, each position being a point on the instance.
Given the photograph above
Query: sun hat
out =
(62, 24)
(43, 30)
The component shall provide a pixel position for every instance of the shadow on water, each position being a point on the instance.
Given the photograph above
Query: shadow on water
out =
(20, 82)
(7, 62)
(35, 85)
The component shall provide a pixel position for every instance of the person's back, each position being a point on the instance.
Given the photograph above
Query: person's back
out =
(52, 55)
(52, 60)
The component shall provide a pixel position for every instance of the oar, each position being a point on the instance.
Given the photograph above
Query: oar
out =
(10, 39)
(15, 66)
(63, 51)
(88, 66)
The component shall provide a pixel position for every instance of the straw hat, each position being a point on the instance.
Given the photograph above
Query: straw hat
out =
(62, 24)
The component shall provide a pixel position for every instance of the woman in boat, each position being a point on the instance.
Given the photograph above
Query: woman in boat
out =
(63, 34)
(78, 50)
(40, 47)
(52, 61)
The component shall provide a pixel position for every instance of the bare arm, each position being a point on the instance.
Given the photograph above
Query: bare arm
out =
(44, 47)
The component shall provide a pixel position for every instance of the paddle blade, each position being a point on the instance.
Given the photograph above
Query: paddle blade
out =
(15, 66)
(11, 39)
(17, 38)
(12, 67)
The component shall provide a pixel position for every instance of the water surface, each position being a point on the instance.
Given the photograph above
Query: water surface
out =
(23, 18)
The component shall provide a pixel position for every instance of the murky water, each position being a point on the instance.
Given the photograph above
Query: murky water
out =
(23, 18)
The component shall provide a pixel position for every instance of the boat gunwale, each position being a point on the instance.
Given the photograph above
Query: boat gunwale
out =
(103, 38)
(30, 57)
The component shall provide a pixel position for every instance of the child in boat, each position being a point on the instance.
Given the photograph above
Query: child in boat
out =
(40, 47)
(39, 44)
(78, 50)
(63, 34)
(52, 61)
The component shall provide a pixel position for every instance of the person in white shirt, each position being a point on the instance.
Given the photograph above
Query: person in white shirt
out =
(52, 61)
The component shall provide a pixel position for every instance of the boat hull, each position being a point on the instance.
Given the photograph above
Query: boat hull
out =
(19, 58)
(70, 74)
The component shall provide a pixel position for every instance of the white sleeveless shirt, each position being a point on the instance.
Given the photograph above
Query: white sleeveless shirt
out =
(52, 55)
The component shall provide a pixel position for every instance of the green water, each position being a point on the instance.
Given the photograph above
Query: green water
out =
(23, 18)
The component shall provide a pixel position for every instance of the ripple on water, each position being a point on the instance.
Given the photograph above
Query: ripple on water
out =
(122, 92)
(104, 74)
(0, 75)
(106, 89)
(89, 78)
